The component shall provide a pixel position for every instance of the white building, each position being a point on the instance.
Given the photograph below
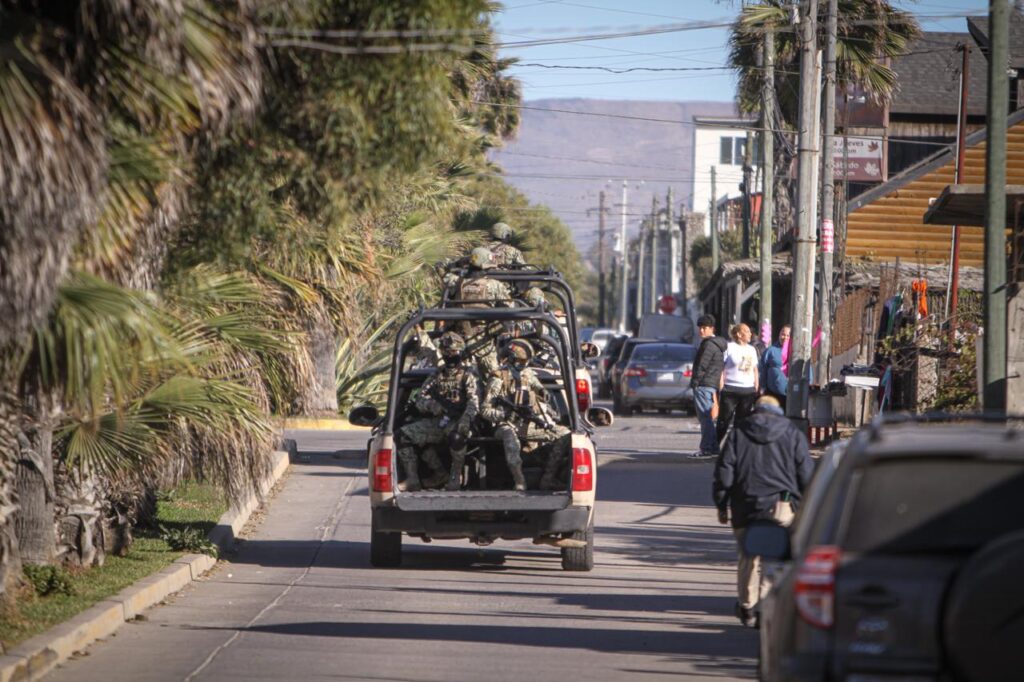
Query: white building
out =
(719, 143)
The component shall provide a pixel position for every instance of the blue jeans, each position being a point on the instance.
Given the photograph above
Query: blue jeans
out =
(703, 399)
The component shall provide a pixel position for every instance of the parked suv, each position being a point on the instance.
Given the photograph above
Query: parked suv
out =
(904, 562)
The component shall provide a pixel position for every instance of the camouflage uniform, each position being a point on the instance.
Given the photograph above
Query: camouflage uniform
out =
(452, 398)
(485, 293)
(517, 384)
(505, 255)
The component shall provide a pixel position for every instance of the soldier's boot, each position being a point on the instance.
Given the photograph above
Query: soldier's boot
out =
(411, 465)
(455, 475)
(438, 474)
(513, 455)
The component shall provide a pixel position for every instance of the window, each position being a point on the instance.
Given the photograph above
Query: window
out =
(674, 353)
(731, 150)
(725, 151)
(738, 150)
(948, 504)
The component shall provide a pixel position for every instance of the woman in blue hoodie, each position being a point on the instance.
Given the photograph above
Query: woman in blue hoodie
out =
(773, 379)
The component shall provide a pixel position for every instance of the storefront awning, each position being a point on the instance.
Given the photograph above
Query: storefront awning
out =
(965, 205)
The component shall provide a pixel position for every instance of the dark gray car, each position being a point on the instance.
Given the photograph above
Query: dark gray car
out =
(658, 376)
(904, 562)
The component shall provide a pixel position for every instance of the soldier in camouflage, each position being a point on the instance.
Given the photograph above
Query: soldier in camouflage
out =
(505, 255)
(515, 402)
(452, 399)
(480, 291)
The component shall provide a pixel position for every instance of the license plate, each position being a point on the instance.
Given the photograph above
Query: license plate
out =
(666, 377)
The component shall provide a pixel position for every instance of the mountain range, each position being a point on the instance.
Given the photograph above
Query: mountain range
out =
(568, 150)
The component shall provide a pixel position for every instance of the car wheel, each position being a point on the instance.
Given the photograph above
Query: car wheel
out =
(580, 558)
(617, 407)
(385, 547)
(983, 627)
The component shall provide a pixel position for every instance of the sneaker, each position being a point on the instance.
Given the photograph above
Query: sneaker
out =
(746, 616)
(700, 454)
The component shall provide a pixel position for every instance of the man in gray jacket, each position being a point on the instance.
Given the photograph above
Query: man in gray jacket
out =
(706, 377)
(762, 472)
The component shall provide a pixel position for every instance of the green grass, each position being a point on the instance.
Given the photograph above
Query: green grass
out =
(190, 505)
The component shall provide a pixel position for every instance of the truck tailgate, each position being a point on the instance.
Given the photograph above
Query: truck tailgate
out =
(483, 500)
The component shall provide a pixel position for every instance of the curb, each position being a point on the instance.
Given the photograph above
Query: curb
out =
(318, 424)
(35, 657)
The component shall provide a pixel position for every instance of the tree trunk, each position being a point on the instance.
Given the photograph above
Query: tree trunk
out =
(34, 522)
(10, 562)
(322, 396)
(80, 524)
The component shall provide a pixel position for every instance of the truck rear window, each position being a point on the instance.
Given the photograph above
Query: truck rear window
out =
(937, 505)
(659, 353)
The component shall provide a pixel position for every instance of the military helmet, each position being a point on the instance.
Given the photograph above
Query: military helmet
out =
(519, 351)
(501, 231)
(534, 296)
(481, 258)
(451, 344)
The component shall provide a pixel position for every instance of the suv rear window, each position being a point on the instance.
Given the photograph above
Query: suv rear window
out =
(935, 505)
(665, 353)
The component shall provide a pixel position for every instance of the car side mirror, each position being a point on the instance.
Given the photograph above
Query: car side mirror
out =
(589, 350)
(768, 540)
(599, 416)
(363, 415)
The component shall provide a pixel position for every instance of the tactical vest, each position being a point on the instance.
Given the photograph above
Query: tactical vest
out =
(447, 389)
(479, 290)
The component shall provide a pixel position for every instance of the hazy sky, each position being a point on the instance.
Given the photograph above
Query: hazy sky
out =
(523, 20)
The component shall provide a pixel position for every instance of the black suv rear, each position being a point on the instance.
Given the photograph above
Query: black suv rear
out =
(905, 560)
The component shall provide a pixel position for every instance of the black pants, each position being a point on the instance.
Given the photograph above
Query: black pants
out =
(733, 403)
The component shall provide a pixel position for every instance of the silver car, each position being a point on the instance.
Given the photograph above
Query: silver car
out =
(658, 376)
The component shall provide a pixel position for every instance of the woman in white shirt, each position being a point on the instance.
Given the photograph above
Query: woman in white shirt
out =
(740, 382)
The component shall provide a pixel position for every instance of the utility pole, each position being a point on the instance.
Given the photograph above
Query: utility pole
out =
(714, 224)
(994, 351)
(747, 213)
(641, 257)
(953, 299)
(828, 196)
(624, 282)
(600, 260)
(806, 207)
(768, 174)
(655, 242)
(673, 244)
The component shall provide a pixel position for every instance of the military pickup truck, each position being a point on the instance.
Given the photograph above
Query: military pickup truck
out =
(486, 507)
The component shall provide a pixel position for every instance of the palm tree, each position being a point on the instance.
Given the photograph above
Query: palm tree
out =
(869, 34)
(80, 85)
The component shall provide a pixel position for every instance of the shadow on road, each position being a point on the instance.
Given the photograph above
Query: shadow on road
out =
(703, 643)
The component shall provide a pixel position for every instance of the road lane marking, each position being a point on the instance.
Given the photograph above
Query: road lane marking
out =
(329, 528)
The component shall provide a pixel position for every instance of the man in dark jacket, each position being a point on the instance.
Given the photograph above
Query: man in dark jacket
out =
(705, 379)
(762, 472)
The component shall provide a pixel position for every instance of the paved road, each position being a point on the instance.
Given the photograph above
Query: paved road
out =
(299, 601)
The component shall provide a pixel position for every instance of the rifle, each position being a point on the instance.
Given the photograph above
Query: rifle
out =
(524, 412)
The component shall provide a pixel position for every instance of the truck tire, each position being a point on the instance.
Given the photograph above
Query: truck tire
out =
(385, 547)
(581, 558)
(983, 626)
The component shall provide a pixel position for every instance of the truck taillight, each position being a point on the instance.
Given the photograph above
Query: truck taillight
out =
(382, 478)
(815, 587)
(583, 395)
(635, 372)
(582, 470)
